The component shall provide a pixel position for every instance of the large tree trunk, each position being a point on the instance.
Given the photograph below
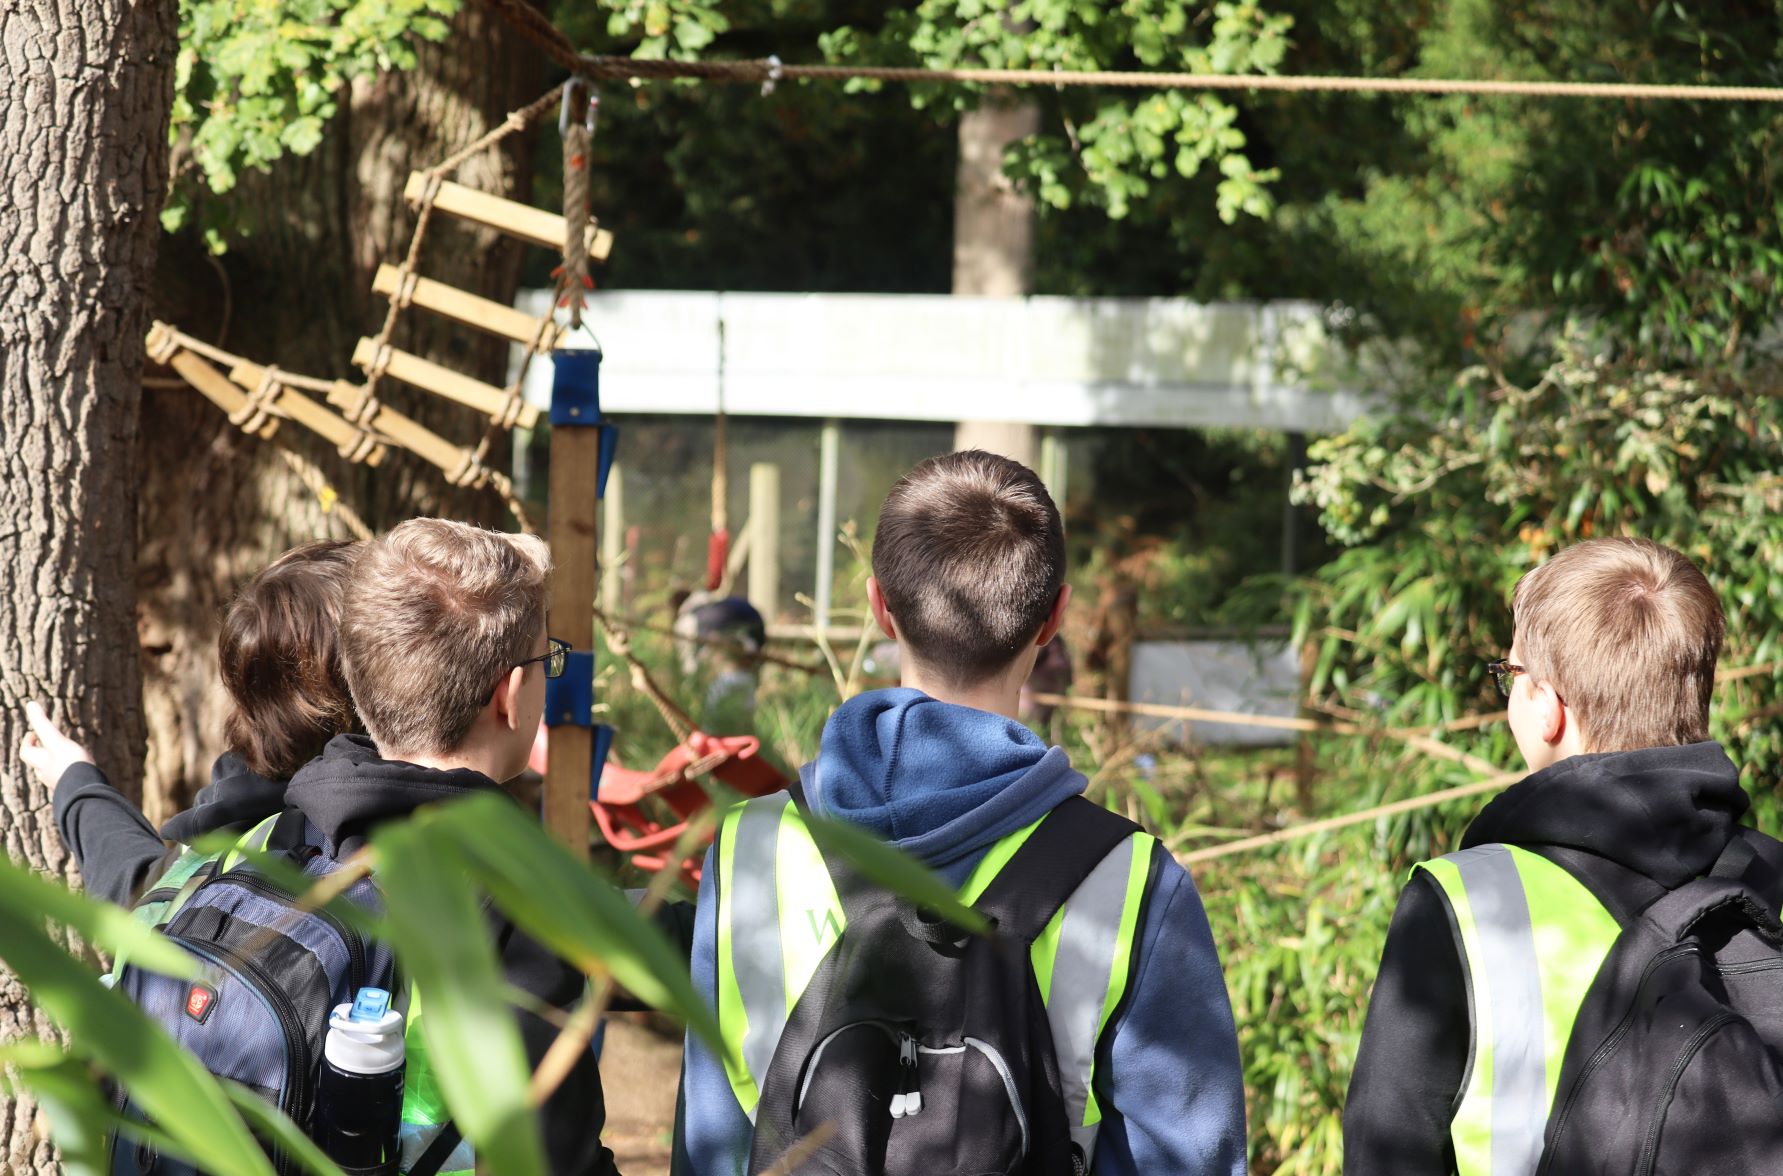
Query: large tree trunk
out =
(993, 244)
(85, 90)
(296, 291)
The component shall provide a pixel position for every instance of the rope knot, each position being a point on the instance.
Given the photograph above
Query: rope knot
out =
(257, 413)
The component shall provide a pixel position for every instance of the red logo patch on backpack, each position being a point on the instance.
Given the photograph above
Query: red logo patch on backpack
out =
(200, 1000)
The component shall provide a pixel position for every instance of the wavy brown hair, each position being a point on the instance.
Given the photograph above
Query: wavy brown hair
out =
(280, 657)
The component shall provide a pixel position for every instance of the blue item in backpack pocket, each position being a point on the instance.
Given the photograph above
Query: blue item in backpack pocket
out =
(576, 388)
(569, 697)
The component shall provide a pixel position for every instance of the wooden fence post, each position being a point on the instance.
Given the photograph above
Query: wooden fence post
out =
(764, 539)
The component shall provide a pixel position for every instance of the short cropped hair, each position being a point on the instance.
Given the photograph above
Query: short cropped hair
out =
(970, 557)
(279, 653)
(436, 613)
(1628, 632)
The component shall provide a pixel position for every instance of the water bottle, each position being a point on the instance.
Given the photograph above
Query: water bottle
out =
(358, 1113)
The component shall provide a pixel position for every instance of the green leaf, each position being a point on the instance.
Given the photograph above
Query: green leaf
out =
(437, 926)
(163, 1079)
(563, 904)
(895, 870)
(102, 923)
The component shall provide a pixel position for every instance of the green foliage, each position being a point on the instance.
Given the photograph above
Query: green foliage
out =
(1102, 150)
(256, 79)
(1447, 504)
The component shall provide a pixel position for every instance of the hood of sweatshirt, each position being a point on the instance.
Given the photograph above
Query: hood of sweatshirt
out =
(349, 788)
(939, 781)
(237, 798)
(1664, 812)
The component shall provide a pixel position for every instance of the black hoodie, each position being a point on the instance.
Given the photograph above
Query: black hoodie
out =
(119, 853)
(1628, 825)
(348, 791)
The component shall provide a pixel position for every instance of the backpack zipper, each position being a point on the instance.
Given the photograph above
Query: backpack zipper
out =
(1608, 1046)
(1650, 1149)
(352, 940)
(300, 1097)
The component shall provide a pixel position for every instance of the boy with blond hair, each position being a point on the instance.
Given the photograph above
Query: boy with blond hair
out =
(1493, 949)
(444, 648)
(849, 1015)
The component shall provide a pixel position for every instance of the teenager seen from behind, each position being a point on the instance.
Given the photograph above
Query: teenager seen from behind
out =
(444, 646)
(278, 653)
(1493, 949)
(813, 973)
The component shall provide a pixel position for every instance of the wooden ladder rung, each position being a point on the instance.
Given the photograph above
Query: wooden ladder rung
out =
(216, 387)
(473, 310)
(508, 216)
(305, 411)
(442, 381)
(418, 439)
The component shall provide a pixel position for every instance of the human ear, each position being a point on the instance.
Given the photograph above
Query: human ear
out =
(881, 614)
(1550, 712)
(506, 713)
(1055, 620)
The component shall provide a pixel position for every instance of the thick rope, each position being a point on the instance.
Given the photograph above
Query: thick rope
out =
(574, 282)
(768, 71)
(312, 476)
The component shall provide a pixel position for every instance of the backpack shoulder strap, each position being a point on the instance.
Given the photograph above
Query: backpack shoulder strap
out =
(1049, 867)
(1756, 862)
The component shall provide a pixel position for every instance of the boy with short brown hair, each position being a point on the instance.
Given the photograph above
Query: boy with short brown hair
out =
(444, 648)
(969, 580)
(1608, 681)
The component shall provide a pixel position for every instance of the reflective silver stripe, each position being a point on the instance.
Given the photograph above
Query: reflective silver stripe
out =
(755, 912)
(1088, 933)
(1506, 936)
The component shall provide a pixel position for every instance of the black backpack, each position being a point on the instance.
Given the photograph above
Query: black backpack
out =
(927, 1049)
(1675, 1063)
(273, 971)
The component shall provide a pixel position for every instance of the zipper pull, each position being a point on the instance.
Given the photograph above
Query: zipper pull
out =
(908, 1101)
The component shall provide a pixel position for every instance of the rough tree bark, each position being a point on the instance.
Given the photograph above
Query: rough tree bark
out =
(296, 291)
(85, 90)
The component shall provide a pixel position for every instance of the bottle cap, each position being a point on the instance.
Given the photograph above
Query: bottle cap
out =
(365, 1037)
(370, 1005)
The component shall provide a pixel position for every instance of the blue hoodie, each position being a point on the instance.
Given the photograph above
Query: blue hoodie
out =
(944, 782)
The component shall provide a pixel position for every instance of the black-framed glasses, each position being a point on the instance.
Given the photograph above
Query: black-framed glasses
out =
(1505, 674)
(555, 657)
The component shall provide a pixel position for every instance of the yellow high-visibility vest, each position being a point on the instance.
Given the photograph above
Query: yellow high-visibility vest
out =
(779, 915)
(1532, 939)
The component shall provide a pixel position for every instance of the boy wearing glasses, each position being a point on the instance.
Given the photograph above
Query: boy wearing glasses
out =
(1607, 684)
(444, 649)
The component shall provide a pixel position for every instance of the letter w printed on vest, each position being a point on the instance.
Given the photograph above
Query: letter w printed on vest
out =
(826, 926)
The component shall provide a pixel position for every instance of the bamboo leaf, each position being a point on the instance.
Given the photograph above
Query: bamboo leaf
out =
(166, 1081)
(568, 907)
(436, 925)
(32, 896)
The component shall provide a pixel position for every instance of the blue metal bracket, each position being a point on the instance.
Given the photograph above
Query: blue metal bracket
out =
(609, 451)
(569, 698)
(603, 743)
(576, 386)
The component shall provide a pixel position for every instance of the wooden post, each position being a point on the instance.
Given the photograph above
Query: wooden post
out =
(829, 455)
(613, 542)
(764, 538)
(571, 529)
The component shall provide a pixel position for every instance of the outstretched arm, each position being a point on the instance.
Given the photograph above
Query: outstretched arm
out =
(114, 845)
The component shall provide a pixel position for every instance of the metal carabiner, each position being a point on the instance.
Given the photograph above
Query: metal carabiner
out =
(591, 110)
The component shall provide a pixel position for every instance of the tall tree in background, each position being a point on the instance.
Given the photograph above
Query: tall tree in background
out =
(85, 90)
(294, 288)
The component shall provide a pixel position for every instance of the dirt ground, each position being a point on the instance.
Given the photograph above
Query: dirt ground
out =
(640, 1069)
